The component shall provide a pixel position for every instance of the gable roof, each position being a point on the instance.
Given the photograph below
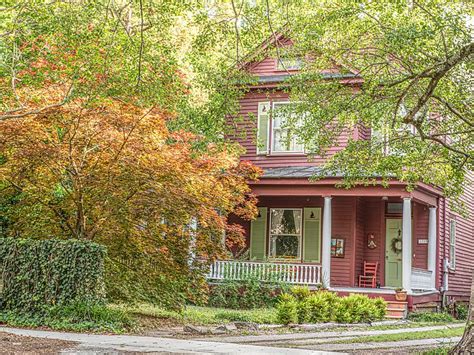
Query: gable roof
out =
(282, 37)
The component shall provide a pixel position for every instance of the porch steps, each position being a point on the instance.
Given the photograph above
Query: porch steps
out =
(397, 310)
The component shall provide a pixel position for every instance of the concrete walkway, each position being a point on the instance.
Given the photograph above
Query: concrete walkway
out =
(94, 343)
(301, 338)
(393, 345)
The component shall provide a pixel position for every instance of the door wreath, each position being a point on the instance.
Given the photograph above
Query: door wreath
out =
(397, 245)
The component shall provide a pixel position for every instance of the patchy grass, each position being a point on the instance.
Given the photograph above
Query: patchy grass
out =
(438, 351)
(80, 317)
(433, 317)
(429, 334)
(202, 315)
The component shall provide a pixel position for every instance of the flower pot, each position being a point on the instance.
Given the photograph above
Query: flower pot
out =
(401, 295)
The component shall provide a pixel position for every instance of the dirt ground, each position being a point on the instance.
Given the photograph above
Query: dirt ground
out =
(15, 344)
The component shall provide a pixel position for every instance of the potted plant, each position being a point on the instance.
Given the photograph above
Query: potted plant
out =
(400, 294)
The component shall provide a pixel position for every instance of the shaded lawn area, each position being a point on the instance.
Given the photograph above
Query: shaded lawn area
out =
(201, 315)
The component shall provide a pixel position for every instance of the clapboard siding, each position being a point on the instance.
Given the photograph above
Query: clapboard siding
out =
(460, 278)
(343, 224)
(245, 127)
(375, 224)
(420, 231)
(361, 241)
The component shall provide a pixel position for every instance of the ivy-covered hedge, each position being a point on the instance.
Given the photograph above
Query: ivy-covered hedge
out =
(38, 273)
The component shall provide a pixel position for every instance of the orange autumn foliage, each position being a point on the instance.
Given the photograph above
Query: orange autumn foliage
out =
(113, 171)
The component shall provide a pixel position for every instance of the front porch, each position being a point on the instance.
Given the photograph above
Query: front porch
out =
(323, 241)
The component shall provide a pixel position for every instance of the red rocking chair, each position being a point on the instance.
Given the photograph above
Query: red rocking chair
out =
(369, 279)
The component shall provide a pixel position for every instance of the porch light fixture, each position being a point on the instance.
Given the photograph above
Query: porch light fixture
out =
(385, 198)
(259, 214)
(312, 215)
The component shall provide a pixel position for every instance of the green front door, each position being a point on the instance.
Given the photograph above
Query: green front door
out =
(393, 254)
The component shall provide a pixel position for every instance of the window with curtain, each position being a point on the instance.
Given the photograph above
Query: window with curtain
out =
(284, 122)
(285, 233)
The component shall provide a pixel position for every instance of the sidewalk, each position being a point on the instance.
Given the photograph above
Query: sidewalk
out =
(91, 343)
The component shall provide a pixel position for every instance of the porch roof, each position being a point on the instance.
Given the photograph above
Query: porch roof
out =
(294, 181)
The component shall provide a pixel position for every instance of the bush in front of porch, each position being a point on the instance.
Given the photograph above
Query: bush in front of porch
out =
(248, 293)
(301, 306)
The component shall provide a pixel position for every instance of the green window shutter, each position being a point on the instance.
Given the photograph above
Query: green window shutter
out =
(312, 235)
(263, 126)
(258, 233)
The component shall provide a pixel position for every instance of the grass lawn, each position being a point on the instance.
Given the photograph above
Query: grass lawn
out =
(202, 315)
(430, 334)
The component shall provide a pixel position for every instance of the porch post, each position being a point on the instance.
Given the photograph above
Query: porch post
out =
(326, 244)
(406, 244)
(432, 245)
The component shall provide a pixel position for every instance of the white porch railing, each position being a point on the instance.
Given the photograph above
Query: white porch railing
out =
(421, 279)
(277, 272)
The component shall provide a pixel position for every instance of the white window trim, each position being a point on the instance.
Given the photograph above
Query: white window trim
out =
(452, 244)
(271, 125)
(300, 243)
(269, 131)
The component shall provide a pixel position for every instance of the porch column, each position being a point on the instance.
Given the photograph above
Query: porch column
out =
(432, 245)
(326, 244)
(406, 244)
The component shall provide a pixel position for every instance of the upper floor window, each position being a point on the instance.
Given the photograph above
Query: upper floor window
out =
(452, 243)
(284, 138)
(277, 129)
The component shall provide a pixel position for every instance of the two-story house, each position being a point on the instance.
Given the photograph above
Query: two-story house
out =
(311, 232)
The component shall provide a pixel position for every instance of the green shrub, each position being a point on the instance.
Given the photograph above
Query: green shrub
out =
(287, 309)
(359, 308)
(324, 306)
(300, 292)
(74, 316)
(320, 306)
(431, 317)
(39, 273)
(462, 311)
(244, 294)
(381, 307)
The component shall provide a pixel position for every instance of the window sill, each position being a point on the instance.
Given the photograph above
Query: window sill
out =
(280, 260)
(283, 154)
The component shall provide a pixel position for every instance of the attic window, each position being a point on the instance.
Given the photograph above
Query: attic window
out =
(289, 63)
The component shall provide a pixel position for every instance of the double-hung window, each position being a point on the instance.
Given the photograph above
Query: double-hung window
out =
(277, 129)
(285, 122)
(285, 233)
(452, 243)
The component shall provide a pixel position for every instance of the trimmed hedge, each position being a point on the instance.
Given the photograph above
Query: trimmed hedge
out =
(39, 273)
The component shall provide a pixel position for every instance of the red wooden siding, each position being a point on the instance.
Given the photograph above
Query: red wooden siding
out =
(360, 242)
(460, 278)
(245, 134)
(420, 231)
(343, 224)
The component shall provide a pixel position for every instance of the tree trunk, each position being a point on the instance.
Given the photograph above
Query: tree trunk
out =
(466, 344)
